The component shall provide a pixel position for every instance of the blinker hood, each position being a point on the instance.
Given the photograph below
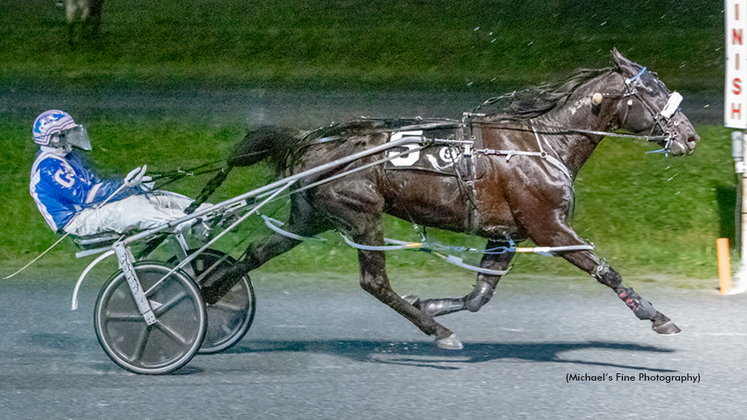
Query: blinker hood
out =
(672, 105)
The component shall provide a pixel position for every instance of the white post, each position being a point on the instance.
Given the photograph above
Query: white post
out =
(735, 111)
(739, 145)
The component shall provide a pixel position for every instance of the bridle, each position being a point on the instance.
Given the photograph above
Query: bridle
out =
(662, 119)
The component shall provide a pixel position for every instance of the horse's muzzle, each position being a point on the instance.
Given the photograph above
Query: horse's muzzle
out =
(691, 142)
(684, 147)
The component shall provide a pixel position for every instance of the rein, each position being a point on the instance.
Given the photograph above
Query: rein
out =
(545, 130)
(562, 130)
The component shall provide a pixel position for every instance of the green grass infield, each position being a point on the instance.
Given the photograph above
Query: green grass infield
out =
(647, 214)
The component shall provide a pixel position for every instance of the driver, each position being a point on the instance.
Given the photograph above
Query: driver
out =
(73, 199)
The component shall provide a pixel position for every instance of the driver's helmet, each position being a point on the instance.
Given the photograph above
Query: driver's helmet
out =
(55, 128)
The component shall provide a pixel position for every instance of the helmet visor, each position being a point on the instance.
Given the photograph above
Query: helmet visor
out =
(76, 137)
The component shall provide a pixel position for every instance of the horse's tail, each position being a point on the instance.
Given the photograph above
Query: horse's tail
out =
(271, 143)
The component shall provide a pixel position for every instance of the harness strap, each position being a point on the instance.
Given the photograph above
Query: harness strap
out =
(511, 153)
(557, 162)
(460, 263)
(451, 259)
(620, 135)
(399, 245)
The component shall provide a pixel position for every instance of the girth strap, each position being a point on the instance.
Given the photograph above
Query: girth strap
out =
(475, 168)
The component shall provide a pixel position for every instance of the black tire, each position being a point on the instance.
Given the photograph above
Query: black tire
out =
(230, 318)
(167, 345)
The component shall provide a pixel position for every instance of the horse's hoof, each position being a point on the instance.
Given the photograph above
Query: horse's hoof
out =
(667, 328)
(663, 325)
(449, 343)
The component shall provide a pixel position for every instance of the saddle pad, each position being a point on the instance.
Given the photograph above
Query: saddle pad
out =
(443, 159)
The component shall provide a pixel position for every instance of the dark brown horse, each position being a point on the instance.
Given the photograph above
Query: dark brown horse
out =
(515, 184)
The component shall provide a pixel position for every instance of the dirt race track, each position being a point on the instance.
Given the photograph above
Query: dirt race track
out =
(542, 348)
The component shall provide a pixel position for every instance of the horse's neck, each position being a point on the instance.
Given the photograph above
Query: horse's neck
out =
(578, 113)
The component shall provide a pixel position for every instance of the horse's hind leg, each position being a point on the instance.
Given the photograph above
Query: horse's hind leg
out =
(356, 208)
(302, 222)
(374, 280)
(257, 254)
(479, 296)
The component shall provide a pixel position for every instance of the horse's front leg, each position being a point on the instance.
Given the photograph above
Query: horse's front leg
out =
(642, 308)
(553, 231)
(480, 294)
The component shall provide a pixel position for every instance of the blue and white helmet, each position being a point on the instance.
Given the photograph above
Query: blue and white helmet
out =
(55, 128)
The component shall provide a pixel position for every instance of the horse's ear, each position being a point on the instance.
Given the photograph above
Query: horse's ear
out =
(627, 67)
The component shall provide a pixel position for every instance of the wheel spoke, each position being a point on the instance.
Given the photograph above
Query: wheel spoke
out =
(154, 288)
(123, 317)
(170, 333)
(142, 341)
(166, 345)
(228, 307)
(170, 304)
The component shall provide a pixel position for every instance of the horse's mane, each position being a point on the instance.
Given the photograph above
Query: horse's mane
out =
(533, 102)
(284, 147)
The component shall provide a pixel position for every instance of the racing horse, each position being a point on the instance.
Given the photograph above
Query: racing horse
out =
(532, 149)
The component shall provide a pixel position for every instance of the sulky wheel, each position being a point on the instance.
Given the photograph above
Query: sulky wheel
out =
(230, 318)
(167, 345)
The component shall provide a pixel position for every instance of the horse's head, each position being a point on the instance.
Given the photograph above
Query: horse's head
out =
(647, 107)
